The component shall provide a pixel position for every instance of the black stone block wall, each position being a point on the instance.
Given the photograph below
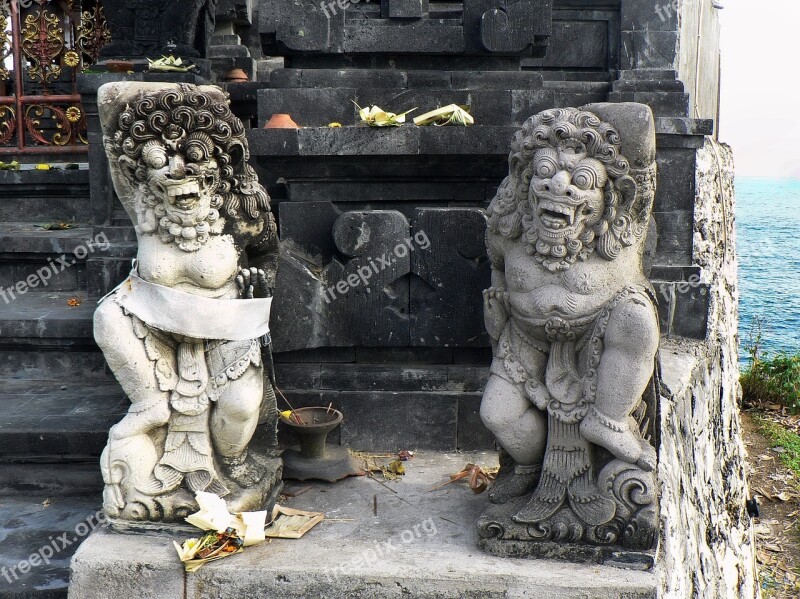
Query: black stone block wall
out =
(404, 354)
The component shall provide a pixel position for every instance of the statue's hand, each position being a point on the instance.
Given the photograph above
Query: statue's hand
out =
(253, 283)
(495, 310)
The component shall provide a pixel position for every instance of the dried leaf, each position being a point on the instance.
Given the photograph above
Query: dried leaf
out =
(478, 478)
(764, 494)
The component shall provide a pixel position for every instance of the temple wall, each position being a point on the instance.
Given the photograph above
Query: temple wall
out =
(707, 548)
(699, 57)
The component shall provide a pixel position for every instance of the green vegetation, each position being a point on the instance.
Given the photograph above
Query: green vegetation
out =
(782, 437)
(770, 379)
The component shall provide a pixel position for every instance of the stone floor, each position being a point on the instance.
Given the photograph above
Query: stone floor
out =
(42, 504)
(51, 434)
(396, 539)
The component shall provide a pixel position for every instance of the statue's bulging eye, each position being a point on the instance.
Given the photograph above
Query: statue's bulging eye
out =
(196, 152)
(589, 173)
(584, 177)
(546, 164)
(154, 155)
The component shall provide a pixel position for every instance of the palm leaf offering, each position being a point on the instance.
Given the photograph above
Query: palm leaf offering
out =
(288, 523)
(452, 114)
(374, 116)
(228, 534)
(212, 546)
(169, 64)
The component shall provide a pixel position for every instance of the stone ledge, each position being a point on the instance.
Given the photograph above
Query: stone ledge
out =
(341, 556)
(362, 140)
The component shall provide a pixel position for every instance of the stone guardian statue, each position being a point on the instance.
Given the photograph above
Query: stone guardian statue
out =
(572, 317)
(187, 333)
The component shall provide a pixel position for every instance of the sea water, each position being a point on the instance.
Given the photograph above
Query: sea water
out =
(768, 243)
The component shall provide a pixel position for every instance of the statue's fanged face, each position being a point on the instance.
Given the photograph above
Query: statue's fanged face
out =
(184, 175)
(566, 197)
(184, 153)
(570, 192)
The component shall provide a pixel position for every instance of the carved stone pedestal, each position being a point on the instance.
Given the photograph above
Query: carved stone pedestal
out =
(564, 537)
(144, 512)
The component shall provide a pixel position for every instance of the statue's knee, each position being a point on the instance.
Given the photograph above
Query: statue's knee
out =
(241, 404)
(634, 329)
(108, 320)
(495, 408)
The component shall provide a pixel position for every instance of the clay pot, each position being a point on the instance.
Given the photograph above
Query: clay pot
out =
(119, 66)
(236, 76)
(281, 121)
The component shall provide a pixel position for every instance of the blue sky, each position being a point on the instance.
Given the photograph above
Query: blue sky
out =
(760, 104)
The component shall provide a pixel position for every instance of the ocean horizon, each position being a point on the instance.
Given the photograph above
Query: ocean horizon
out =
(768, 247)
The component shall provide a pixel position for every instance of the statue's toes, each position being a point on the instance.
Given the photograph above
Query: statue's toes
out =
(512, 486)
(615, 436)
(648, 460)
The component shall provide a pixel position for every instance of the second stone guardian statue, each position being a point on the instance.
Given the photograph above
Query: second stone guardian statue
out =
(186, 333)
(574, 383)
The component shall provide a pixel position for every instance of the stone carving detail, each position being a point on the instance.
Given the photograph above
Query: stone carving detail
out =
(471, 27)
(148, 27)
(186, 334)
(573, 386)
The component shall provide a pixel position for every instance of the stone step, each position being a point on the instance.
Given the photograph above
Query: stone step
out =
(54, 420)
(39, 505)
(45, 196)
(43, 260)
(30, 316)
(36, 259)
(381, 539)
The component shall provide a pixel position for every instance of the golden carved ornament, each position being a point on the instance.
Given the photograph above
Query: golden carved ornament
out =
(42, 42)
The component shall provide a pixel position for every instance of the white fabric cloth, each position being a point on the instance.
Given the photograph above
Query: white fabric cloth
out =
(175, 311)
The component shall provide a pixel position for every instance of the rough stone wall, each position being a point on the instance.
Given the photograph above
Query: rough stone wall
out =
(707, 549)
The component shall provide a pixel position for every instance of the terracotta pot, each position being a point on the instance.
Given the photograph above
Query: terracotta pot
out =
(119, 66)
(281, 121)
(236, 76)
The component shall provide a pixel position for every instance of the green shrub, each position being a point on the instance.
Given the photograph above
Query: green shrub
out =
(770, 379)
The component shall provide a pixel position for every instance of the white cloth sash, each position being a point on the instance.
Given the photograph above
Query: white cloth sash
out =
(175, 311)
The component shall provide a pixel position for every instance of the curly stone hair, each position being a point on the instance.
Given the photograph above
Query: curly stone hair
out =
(628, 194)
(188, 116)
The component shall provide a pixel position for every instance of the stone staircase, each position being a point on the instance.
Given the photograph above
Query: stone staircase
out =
(56, 399)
